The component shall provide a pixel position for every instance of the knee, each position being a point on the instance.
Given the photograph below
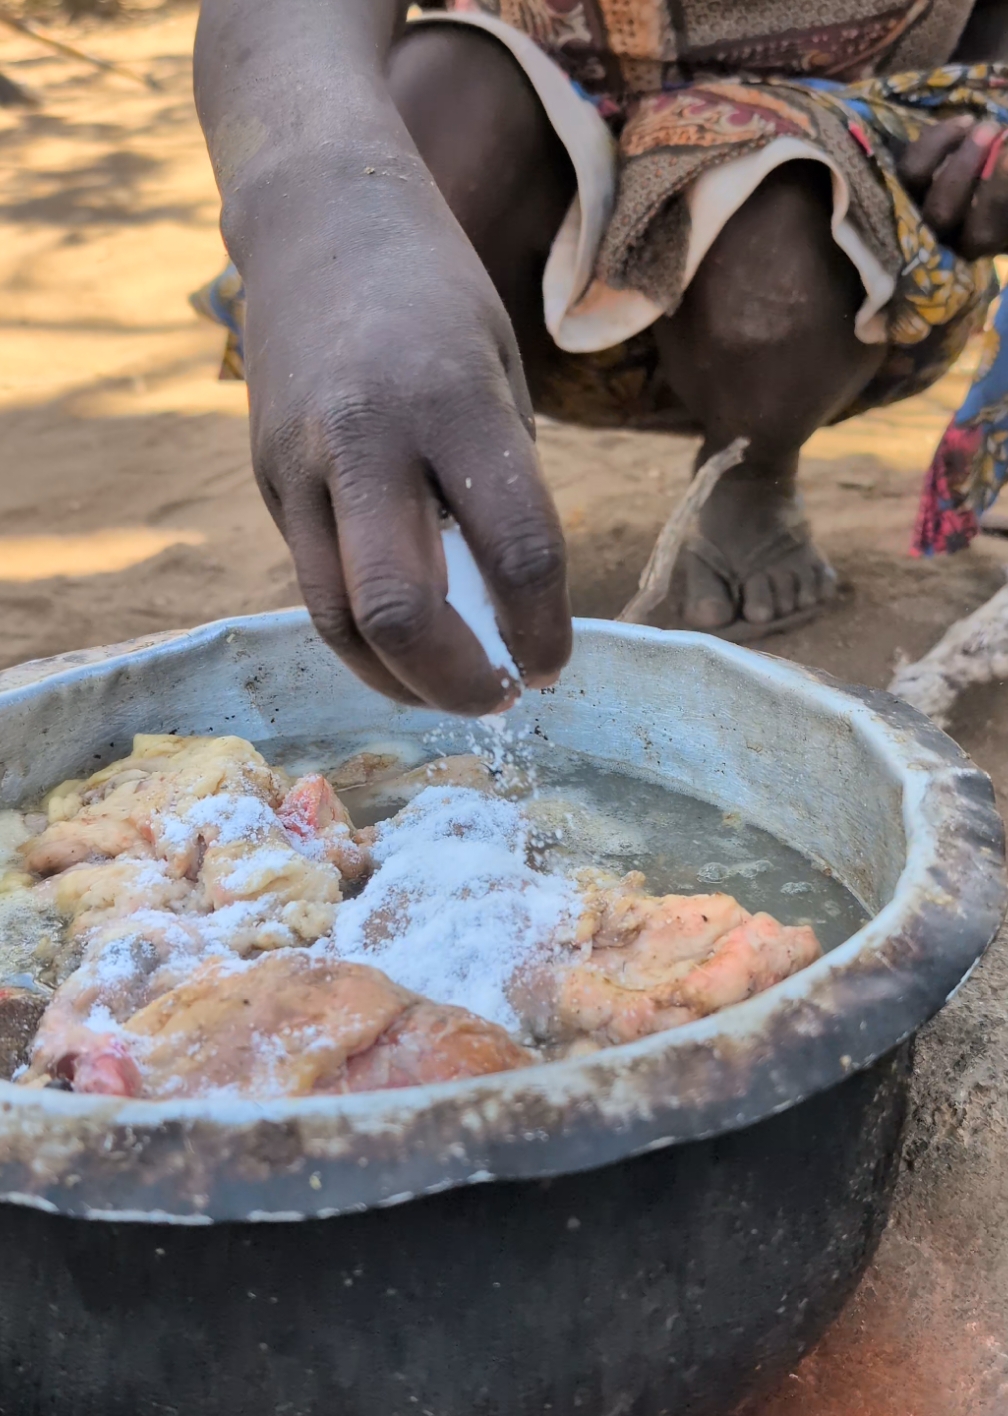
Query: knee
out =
(764, 343)
(775, 277)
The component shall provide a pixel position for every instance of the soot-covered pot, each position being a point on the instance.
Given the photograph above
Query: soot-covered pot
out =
(653, 1229)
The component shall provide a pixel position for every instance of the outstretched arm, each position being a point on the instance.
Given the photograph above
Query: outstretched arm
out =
(384, 380)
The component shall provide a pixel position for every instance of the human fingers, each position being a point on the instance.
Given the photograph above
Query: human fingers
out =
(922, 158)
(985, 230)
(488, 470)
(388, 527)
(947, 203)
(304, 515)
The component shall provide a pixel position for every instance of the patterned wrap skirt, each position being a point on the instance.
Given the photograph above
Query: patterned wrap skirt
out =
(663, 159)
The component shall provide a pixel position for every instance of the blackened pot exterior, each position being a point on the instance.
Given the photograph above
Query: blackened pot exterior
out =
(669, 1284)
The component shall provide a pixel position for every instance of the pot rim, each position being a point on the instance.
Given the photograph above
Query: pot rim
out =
(225, 1159)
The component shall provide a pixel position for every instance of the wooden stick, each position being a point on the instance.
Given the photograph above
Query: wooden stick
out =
(44, 37)
(972, 651)
(657, 574)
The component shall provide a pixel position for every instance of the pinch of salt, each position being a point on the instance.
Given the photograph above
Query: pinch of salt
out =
(470, 599)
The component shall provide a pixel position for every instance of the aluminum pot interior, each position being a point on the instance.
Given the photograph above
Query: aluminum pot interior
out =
(855, 780)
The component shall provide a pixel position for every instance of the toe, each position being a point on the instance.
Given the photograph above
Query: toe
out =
(758, 599)
(796, 584)
(708, 603)
(784, 584)
(809, 577)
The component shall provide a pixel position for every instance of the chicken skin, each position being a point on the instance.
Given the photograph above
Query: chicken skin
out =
(293, 1024)
(207, 946)
(138, 806)
(639, 963)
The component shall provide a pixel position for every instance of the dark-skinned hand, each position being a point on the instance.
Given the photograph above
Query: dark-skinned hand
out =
(957, 172)
(385, 386)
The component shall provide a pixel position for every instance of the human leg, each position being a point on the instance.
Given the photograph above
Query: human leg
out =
(763, 346)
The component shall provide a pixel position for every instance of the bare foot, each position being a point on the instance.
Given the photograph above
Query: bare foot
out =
(753, 565)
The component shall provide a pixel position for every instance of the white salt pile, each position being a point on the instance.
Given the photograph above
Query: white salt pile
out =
(454, 908)
(232, 817)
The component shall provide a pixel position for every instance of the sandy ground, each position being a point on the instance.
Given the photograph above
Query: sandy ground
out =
(127, 506)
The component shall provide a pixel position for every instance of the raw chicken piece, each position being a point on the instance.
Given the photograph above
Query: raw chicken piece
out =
(283, 1025)
(197, 788)
(312, 813)
(109, 1072)
(463, 770)
(99, 832)
(138, 806)
(753, 957)
(585, 1004)
(256, 926)
(364, 769)
(651, 932)
(647, 963)
(432, 1042)
(107, 1069)
(288, 1025)
(311, 807)
(63, 801)
(250, 870)
(125, 966)
(202, 766)
(94, 894)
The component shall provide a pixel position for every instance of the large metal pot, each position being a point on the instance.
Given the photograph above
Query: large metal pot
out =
(650, 1230)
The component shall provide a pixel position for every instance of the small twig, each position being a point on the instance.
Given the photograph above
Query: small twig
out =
(657, 574)
(44, 37)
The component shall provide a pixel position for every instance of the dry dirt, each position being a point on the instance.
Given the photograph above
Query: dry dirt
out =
(128, 506)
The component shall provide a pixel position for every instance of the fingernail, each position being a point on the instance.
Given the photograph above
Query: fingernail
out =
(993, 156)
(984, 134)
